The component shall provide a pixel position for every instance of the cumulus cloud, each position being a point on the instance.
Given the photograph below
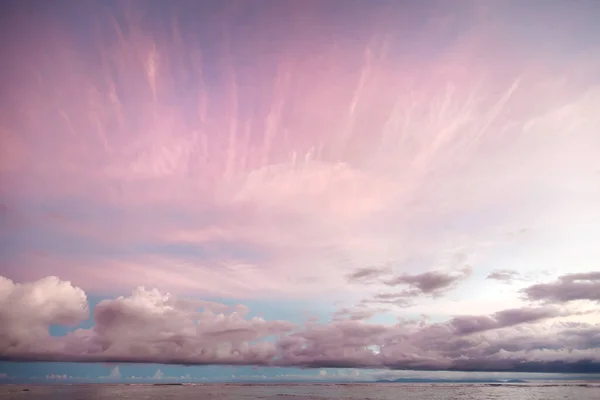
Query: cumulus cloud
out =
(149, 326)
(570, 287)
(27, 310)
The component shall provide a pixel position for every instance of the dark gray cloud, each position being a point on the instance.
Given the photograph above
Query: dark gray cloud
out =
(367, 274)
(504, 275)
(472, 324)
(580, 286)
(432, 283)
(427, 283)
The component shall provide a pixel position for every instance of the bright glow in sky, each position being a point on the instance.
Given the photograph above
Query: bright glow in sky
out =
(298, 183)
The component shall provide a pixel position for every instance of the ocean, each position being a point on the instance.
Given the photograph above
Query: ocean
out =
(378, 391)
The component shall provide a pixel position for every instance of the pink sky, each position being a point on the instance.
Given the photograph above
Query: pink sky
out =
(273, 152)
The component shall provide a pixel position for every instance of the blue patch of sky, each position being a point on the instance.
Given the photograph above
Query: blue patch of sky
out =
(102, 372)
(288, 310)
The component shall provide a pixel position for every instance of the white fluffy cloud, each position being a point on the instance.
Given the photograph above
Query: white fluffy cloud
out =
(147, 325)
(27, 310)
(115, 373)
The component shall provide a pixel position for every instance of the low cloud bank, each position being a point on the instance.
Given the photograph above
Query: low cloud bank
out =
(152, 327)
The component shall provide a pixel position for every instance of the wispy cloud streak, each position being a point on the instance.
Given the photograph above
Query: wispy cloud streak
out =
(384, 158)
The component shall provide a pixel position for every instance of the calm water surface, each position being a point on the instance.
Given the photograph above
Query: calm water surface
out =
(545, 391)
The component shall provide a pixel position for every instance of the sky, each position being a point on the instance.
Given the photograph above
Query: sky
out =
(226, 190)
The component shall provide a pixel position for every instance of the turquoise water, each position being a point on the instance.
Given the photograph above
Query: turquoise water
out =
(546, 391)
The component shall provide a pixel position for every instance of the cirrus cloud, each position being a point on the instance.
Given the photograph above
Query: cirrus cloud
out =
(287, 152)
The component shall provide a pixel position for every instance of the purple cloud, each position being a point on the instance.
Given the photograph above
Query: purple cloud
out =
(504, 275)
(149, 326)
(367, 274)
(355, 314)
(432, 283)
(502, 319)
(570, 287)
